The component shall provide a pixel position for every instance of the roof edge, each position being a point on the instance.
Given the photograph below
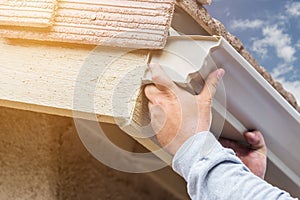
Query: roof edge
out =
(215, 27)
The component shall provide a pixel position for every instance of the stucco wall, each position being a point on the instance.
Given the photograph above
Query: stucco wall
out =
(41, 157)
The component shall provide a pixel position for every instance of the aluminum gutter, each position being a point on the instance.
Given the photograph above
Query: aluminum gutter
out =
(250, 101)
(259, 106)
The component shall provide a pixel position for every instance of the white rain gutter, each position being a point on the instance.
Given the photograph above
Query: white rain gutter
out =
(246, 102)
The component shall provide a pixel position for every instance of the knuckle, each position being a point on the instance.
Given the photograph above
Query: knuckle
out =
(162, 80)
(170, 94)
(149, 90)
(205, 101)
(156, 77)
(213, 85)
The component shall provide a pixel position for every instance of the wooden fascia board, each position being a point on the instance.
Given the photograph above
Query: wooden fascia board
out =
(42, 77)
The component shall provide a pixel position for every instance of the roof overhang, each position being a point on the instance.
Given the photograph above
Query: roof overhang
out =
(246, 102)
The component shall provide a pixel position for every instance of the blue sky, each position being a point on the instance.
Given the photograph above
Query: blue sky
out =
(270, 30)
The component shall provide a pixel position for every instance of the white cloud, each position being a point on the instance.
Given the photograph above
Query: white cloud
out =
(227, 12)
(298, 44)
(274, 37)
(281, 70)
(245, 24)
(292, 87)
(293, 9)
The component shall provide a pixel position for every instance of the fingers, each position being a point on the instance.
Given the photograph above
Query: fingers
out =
(157, 113)
(206, 95)
(210, 86)
(255, 139)
(238, 148)
(160, 78)
(227, 143)
(151, 92)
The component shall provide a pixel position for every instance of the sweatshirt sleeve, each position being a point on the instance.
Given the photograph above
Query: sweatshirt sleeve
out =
(214, 172)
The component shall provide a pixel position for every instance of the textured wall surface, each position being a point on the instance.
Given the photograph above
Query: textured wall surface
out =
(130, 23)
(41, 157)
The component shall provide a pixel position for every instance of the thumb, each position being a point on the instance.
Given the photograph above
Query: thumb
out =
(255, 139)
(210, 86)
(161, 80)
(206, 95)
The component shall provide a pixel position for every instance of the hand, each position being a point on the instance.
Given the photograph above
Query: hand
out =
(253, 156)
(176, 115)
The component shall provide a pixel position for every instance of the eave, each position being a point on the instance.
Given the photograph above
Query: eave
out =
(47, 85)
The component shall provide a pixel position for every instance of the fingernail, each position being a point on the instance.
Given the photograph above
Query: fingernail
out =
(220, 73)
(251, 134)
(252, 138)
(152, 65)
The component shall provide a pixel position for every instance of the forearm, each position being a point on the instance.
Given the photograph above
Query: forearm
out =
(213, 172)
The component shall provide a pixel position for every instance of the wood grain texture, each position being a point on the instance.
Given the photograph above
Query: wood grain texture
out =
(130, 23)
(80, 81)
(46, 77)
(27, 12)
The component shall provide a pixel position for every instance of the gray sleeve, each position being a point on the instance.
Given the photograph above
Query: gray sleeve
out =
(214, 172)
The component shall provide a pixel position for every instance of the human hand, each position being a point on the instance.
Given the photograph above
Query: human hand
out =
(253, 156)
(176, 115)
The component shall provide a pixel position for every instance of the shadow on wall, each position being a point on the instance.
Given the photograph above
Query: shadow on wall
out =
(41, 157)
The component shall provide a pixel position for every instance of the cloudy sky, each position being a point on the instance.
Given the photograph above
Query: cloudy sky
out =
(270, 30)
